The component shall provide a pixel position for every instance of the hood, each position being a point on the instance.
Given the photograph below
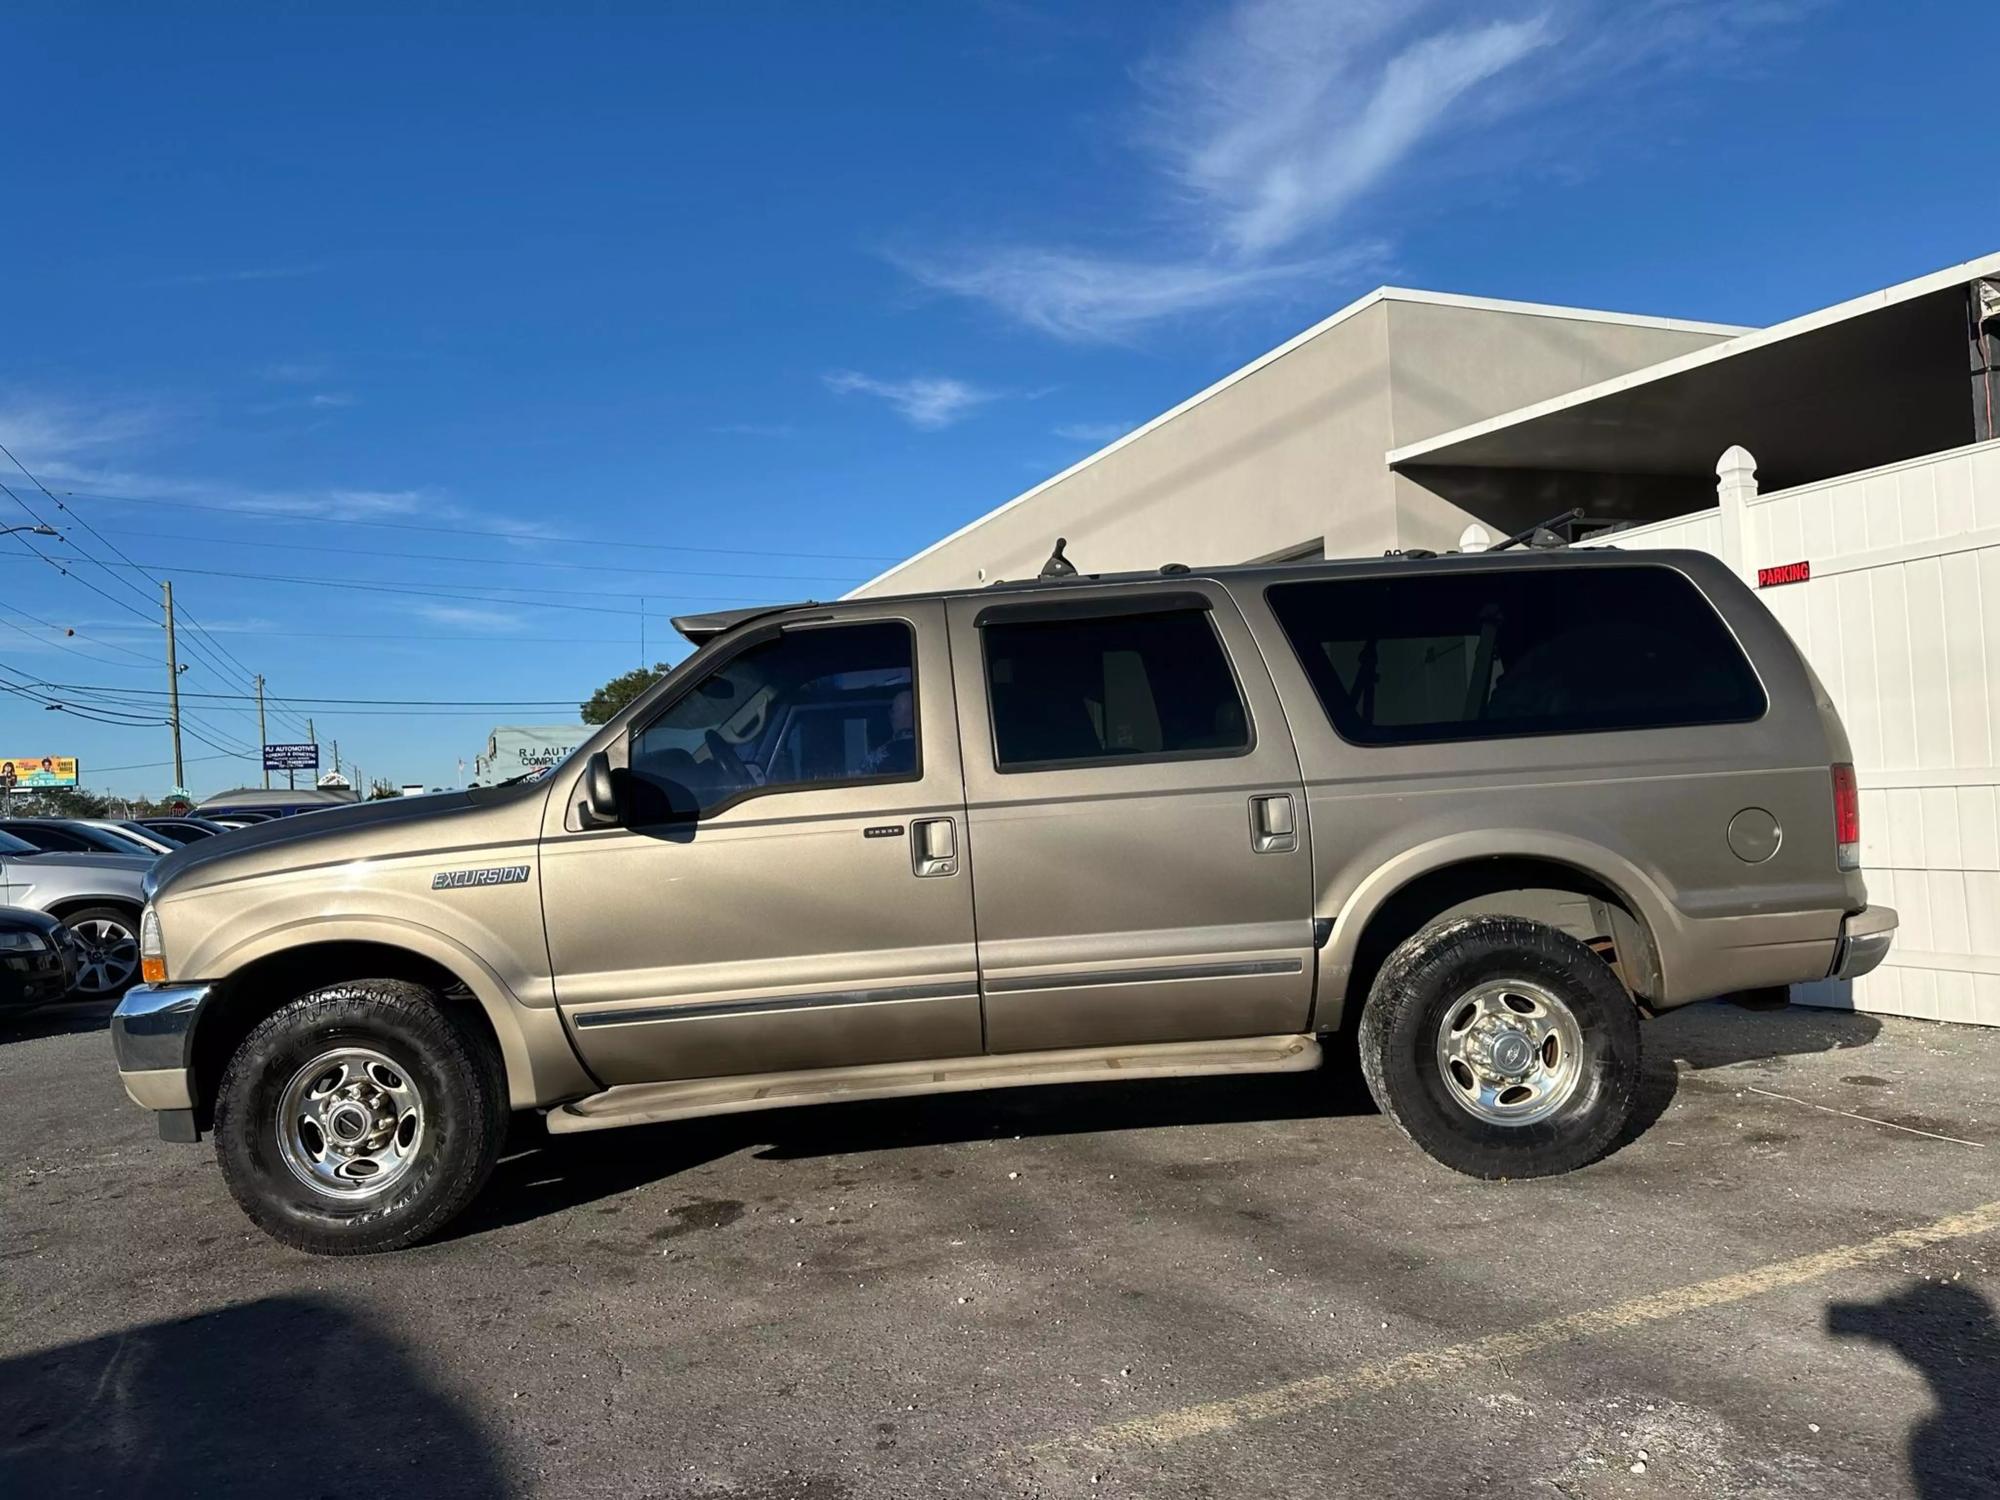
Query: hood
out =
(361, 830)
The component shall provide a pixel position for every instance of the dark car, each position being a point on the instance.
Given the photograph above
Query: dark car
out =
(72, 836)
(181, 830)
(37, 962)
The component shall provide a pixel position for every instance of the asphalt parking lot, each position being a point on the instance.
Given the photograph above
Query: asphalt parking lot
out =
(1786, 1286)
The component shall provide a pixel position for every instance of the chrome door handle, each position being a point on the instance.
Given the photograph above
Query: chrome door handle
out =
(933, 847)
(1273, 828)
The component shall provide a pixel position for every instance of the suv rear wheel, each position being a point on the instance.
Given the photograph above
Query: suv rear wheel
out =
(359, 1117)
(1502, 1047)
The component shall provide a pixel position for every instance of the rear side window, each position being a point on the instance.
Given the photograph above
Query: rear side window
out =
(1411, 661)
(1110, 689)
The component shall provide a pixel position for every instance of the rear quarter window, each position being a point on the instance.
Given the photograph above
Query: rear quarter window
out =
(1483, 655)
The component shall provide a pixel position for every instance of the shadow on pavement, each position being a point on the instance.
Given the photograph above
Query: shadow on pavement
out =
(1950, 1335)
(65, 1018)
(286, 1396)
(546, 1174)
(542, 1174)
(1721, 1033)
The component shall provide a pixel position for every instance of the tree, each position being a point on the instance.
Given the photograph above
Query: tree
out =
(58, 802)
(601, 705)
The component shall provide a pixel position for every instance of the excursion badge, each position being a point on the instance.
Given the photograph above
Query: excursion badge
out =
(454, 880)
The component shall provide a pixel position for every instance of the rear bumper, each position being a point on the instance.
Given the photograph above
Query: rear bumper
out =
(1865, 937)
(152, 1036)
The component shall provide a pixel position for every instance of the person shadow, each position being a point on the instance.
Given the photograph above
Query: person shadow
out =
(290, 1395)
(1949, 1333)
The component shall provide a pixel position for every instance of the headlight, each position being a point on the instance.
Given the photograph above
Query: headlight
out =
(152, 956)
(23, 942)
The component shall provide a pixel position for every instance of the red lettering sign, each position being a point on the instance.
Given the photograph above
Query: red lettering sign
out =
(1798, 572)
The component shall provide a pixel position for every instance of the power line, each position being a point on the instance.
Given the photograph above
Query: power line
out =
(105, 567)
(511, 536)
(102, 661)
(57, 563)
(436, 591)
(490, 562)
(127, 717)
(85, 687)
(160, 765)
(201, 645)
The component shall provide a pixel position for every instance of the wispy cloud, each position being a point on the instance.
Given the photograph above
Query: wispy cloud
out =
(926, 401)
(1077, 295)
(1269, 127)
(471, 616)
(86, 449)
(293, 372)
(1092, 432)
(242, 273)
(755, 429)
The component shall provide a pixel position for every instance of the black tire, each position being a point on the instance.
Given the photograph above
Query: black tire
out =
(1425, 983)
(454, 1072)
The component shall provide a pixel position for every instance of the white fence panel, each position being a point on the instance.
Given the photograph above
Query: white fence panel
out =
(1901, 619)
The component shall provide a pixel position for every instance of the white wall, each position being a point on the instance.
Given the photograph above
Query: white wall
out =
(1902, 622)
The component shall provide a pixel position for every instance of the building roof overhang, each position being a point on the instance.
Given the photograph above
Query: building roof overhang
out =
(1866, 382)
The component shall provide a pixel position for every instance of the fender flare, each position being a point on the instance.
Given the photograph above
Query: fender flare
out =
(1655, 911)
(537, 1074)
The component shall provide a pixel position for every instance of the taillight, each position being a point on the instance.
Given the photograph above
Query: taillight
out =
(1846, 819)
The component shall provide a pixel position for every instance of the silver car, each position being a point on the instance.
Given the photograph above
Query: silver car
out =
(95, 896)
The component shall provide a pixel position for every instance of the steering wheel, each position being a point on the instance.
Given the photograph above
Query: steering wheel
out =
(724, 755)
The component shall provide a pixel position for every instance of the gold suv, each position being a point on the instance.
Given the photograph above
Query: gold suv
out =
(1476, 815)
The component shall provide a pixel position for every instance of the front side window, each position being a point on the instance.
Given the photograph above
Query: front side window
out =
(1478, 655)
(1111, 689)
(820, 707)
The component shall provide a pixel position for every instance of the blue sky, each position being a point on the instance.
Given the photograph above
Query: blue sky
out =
(810, 280)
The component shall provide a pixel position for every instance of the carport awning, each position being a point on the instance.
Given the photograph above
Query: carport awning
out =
(1851, 387)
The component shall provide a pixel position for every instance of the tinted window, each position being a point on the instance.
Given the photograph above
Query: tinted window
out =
(53, 840)
(821, 707)
(1122, 687)
(1400, 661)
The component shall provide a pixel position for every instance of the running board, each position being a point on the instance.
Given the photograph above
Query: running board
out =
(651, 1103)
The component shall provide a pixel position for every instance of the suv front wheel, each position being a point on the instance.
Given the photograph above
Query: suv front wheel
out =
(359, 1117)
(1503, 1047)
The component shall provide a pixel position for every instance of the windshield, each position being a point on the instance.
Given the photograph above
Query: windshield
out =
(11, 845)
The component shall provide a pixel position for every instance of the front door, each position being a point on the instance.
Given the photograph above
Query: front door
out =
(789, 888)
(1135, 818)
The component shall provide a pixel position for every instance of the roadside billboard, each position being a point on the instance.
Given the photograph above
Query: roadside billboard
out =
(517, 749)
(28, 771)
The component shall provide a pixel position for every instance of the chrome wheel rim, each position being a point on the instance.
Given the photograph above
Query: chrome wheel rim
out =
(350, 1123)
(1510, 1052)
(107, 955)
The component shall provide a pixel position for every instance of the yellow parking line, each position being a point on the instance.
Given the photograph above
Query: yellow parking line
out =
(1424, 1367)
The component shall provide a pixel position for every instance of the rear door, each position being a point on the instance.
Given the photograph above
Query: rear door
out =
(1135, 819)
(787, 890)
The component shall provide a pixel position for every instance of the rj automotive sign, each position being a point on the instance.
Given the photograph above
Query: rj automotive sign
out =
(291, 757)
(24, 771)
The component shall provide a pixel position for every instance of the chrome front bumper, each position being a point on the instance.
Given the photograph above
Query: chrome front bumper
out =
(152, 1036)
(1865, 937)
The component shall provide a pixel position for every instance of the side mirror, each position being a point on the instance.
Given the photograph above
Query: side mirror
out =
(597, 802)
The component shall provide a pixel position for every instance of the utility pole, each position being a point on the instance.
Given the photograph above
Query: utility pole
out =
(263, 738)
(173, 683)
(313, 739)
(642, 634)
